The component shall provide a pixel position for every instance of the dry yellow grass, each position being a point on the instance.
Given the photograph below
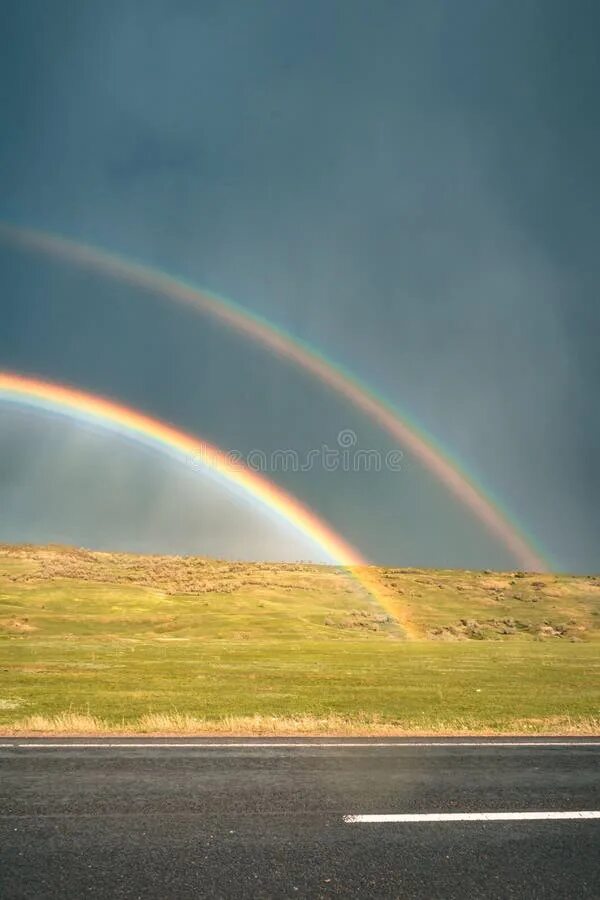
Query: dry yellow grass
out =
(72, 724)
(168, 574)
(67, 723)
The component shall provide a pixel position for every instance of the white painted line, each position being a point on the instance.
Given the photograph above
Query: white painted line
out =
(158, 744)
(474, 817)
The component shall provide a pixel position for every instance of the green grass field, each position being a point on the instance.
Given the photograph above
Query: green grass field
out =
(99, 642)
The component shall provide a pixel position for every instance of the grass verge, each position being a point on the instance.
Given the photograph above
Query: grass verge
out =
(182, 724)
(102, 643)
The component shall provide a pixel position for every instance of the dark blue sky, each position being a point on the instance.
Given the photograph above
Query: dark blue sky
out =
(410, 186)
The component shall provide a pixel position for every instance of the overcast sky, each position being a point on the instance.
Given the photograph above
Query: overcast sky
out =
(411, 187)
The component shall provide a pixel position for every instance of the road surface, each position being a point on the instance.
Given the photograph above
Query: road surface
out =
(316, 818)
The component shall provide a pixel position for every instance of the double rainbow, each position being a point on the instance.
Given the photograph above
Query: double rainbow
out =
(405, 432)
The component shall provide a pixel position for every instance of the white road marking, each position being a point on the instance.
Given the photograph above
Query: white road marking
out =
(474, 817)
(42, 744)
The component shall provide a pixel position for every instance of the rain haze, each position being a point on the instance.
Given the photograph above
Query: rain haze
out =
(409, 188)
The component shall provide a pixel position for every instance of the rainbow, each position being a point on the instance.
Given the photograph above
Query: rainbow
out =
(66, 401)
(406, 433)
(62, 400)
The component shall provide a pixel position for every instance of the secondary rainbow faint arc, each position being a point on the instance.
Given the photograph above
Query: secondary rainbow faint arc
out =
(406, 433)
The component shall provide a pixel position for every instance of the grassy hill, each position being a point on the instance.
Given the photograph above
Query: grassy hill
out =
(93, 642)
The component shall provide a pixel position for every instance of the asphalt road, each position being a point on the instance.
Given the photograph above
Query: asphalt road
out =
(145, 818)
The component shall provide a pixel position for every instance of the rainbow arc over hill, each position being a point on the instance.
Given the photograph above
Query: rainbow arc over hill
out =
(410, 437)
(66, 401)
